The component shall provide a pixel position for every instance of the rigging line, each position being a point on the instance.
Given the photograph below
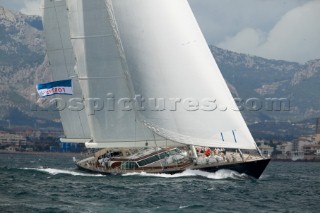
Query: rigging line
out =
(83, 132)
(78, 113)
(116, 34)
(123, 59)
(154, 138)
(135, 130)
(259, 151)
(155, 141)
(144, 131)
(241, 155)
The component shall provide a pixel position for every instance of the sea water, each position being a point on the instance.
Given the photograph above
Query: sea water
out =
(46, 183)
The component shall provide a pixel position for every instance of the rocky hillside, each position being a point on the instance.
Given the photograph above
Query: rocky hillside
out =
(23, 64)
(260, 78)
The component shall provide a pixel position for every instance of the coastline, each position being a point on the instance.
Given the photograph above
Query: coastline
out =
(296, 161)
(71, 154)
(76, 154)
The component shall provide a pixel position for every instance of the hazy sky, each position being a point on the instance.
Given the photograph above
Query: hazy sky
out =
(276, 29)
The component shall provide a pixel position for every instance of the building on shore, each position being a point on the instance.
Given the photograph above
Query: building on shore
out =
(317, 135)
(311, 151)
(265, 149)
(12, 139)
(300, 149)
(303, 148)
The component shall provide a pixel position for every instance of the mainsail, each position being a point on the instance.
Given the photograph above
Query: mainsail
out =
(61, 58)
(154, 49)
(103, 77)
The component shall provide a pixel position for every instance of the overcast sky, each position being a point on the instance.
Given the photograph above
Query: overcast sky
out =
(276, 29)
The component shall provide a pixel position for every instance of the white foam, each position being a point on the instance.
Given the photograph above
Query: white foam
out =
(220, 174)
(61, 171)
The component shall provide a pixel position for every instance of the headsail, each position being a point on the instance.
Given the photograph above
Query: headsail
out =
(62, 62)
(101, 70)
(168, 57)
(152, 48)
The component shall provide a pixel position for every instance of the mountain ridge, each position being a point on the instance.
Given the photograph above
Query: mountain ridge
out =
(256, 77)
(23, 64)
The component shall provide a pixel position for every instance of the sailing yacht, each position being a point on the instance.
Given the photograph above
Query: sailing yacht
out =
(147, 91)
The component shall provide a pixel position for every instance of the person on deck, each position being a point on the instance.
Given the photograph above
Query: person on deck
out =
(208, 152)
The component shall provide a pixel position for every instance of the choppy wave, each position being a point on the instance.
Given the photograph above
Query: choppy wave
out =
(53, 171)
(219, 175)
(59, 187)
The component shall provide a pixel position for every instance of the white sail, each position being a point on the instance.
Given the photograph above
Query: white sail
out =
(168, 57)
(62, 62)
(101, 69)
